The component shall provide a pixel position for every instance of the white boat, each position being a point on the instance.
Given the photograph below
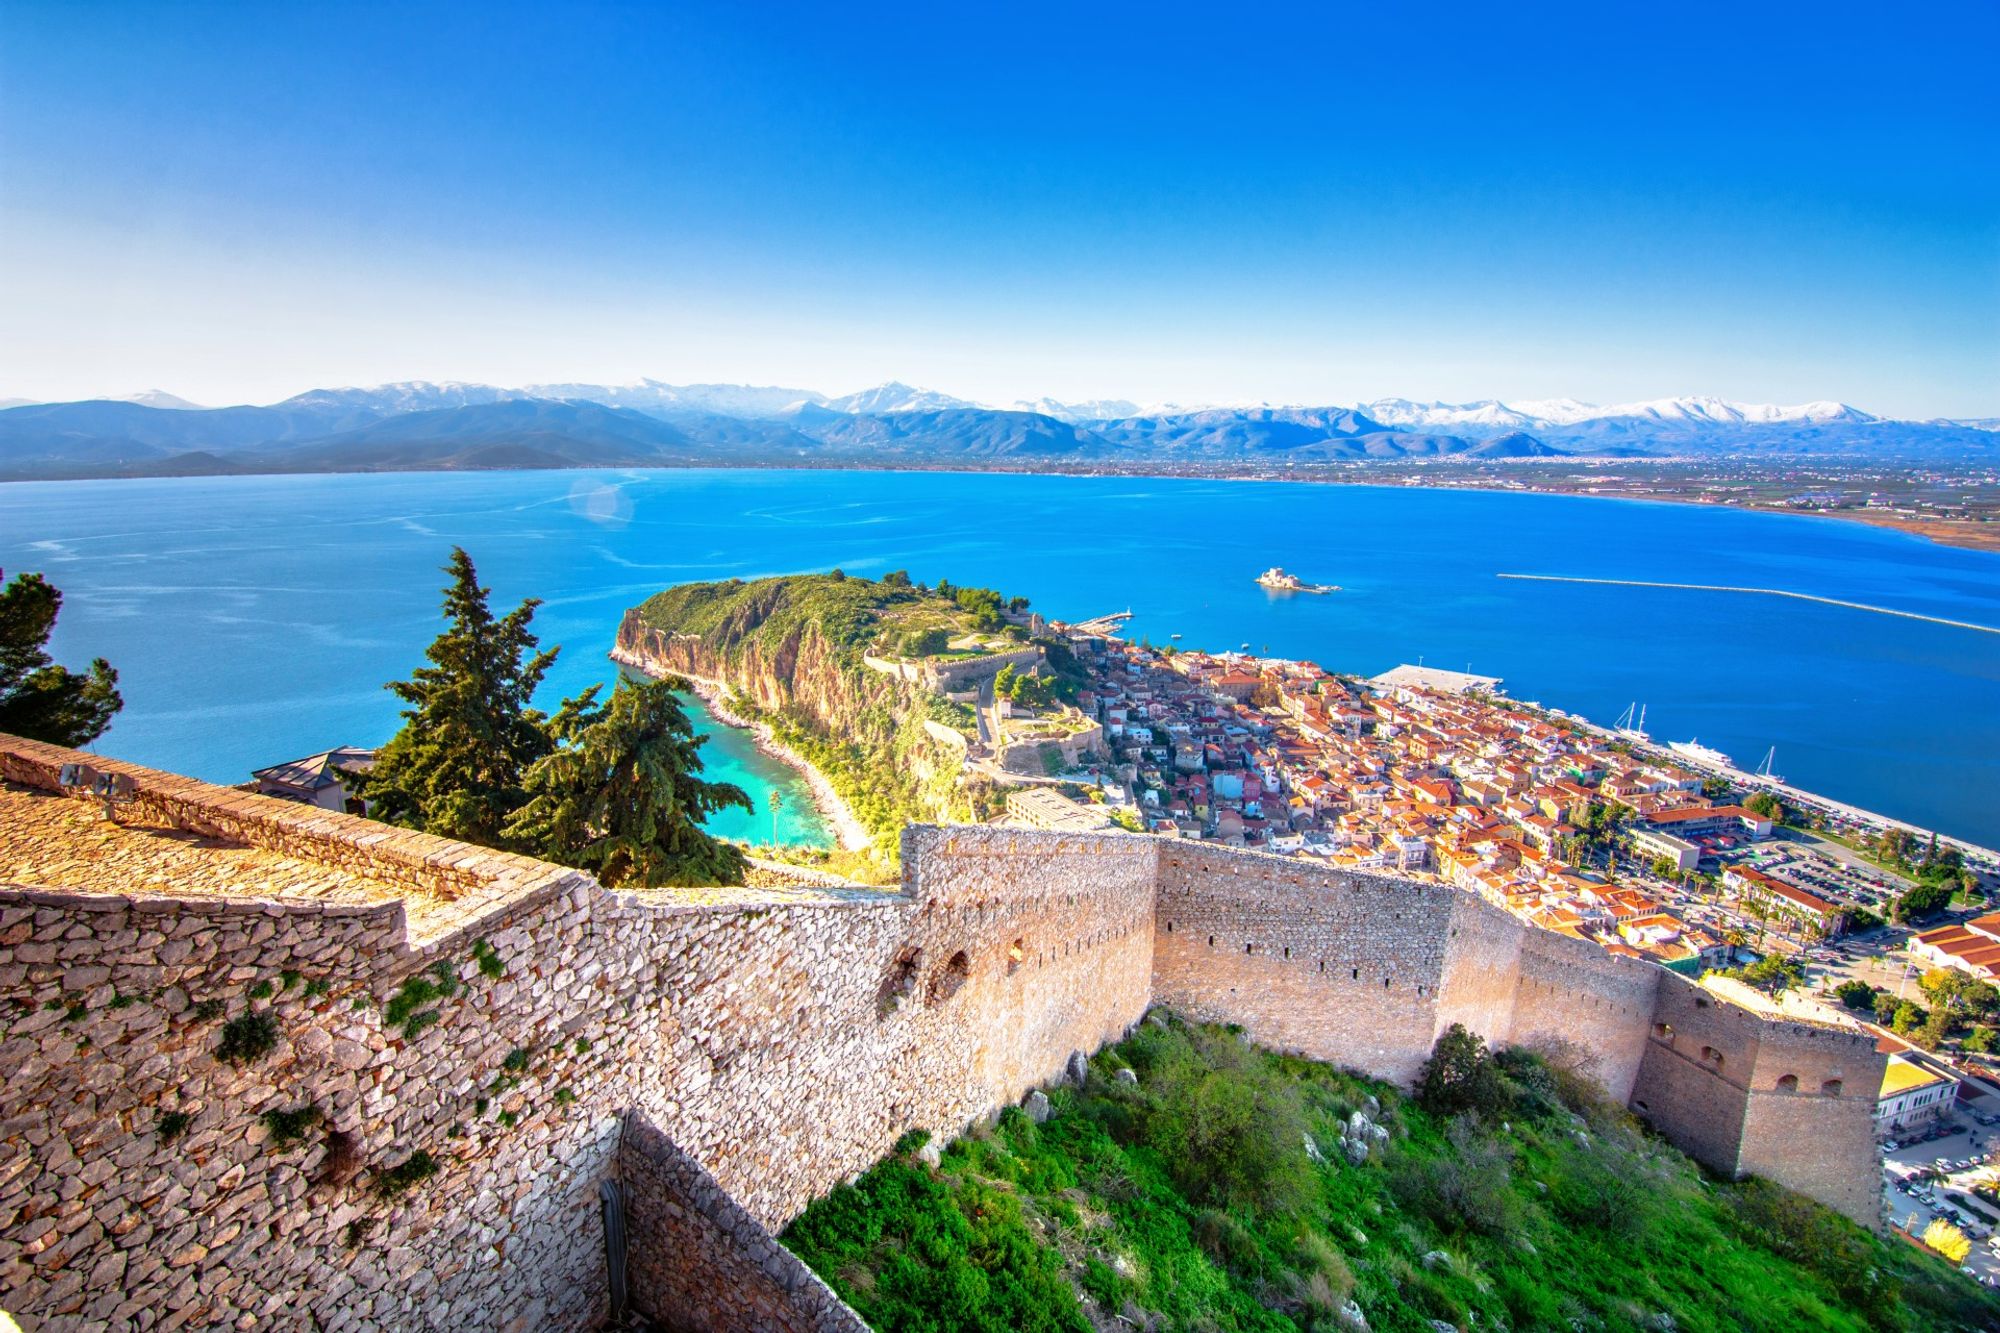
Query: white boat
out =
(1629, 727)
(1696, 753)
(1764, 769)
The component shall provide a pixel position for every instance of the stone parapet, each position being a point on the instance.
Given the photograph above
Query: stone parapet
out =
(260, 1109)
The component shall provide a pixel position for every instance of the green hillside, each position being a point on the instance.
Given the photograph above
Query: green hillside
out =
(1511, 1198)
(892, 617)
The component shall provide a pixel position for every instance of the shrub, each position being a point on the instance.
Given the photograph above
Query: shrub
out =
(1947, 1240)
(487, 959)
(1325, 1269)
(173, 1124)
(1227, 1241)
(1857, 995)
(248, 1037)
(396, 1181)
(288, 1127)
(1460, 1076)
(1466, 1189)
(407, 1008)
(1103, 1284)
(914, 1252)
(1232, 1137)
(1795, 1227)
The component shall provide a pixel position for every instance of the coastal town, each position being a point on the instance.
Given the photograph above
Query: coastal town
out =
(1778, 899)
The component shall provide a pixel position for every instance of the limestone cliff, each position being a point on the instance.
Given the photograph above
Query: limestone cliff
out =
(791, 652)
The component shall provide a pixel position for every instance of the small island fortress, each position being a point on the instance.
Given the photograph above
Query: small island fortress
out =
(280, 1067)
(1276, 579)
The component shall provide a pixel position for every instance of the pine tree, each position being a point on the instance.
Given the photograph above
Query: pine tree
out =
(39, 699)
(469, 735)
(621, 796)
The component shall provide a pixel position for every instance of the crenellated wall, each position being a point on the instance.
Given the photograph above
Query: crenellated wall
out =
(536, 1035)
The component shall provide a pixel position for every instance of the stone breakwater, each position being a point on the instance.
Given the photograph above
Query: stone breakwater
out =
(508, 1098)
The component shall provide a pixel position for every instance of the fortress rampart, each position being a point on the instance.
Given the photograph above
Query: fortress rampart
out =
(719, 1057)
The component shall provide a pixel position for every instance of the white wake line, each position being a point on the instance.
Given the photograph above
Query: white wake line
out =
(1767, 592)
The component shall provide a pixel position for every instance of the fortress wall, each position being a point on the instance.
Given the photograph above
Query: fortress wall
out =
(437, 867)
(1572, 991)
(1339, 967)
(782, 1040)
(697, 1263)
(1693, 1077)
(109, 1220)
(1715, 1079)
(797, 1044)
(1810, 1120)
(1482, 974)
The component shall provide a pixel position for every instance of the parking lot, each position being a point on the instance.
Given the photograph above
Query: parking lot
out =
(1913, 1201)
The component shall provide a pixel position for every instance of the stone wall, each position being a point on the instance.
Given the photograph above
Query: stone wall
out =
(1336, 966)
(1776, 1097)
(1366, 971)
(785, 1042)
(512, 1021)
(697, 1263)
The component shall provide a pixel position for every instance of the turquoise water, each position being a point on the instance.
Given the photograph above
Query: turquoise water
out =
(255, 619)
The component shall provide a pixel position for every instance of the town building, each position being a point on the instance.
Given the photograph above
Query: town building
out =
(1043, 808)
(1972, 946)
(1911, 1095)
(1796, 911)
(1657, 845)
(316, 779)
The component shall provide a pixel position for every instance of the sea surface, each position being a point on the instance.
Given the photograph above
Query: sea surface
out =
(255, 619)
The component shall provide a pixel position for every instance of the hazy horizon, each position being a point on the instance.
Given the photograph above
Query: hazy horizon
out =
(1772, 205)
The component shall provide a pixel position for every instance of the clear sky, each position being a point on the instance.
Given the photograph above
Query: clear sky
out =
(1315, 203)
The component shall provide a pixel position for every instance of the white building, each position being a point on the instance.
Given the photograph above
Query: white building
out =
(1911, 1095)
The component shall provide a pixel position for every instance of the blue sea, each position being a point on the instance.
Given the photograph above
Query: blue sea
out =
(256, 619)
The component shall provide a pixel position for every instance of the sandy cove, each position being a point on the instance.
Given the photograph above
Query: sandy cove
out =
(835, 810)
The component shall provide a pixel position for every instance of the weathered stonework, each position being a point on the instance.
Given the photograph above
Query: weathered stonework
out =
(698, 1261)
(768, 1041)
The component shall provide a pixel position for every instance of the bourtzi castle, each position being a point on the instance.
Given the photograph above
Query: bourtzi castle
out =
(269, 1066)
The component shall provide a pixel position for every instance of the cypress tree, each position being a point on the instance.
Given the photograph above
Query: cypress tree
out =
(621, 797)
(468, 735)
(38, 698)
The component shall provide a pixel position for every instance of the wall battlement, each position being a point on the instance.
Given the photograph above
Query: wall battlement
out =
(727, 1055)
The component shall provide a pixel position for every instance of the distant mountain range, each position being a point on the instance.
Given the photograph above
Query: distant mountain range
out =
(421, 425)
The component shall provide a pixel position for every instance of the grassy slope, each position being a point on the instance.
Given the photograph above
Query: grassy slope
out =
(1190, 1203)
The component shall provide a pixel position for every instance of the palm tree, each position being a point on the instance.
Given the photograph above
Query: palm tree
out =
(777, 803)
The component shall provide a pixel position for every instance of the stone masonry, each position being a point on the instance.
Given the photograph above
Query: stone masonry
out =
(267, 1066)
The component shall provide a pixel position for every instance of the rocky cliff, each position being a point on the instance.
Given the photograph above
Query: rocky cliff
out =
(784, 654)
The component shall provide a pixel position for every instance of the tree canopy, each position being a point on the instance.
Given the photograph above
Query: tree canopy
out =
(469, 734)
(613, 788)
(620, 796)
(40, 699)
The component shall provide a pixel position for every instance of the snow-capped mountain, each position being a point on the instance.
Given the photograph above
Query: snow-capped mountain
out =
(160, 398)
(895, 396)
(1548, 413)
(402, 396)
(421, 424)
(657, 396)
(1091, 409)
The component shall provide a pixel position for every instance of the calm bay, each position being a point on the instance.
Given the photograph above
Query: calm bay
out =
(254, 619)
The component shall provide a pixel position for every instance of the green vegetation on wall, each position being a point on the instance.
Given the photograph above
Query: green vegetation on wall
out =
(1220, 1187)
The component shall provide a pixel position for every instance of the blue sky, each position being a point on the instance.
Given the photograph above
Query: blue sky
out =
(1314, 204)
